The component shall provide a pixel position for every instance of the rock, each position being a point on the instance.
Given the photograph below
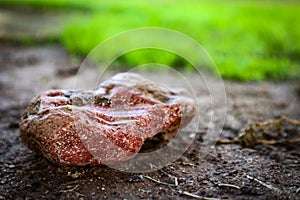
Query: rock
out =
(107, 125)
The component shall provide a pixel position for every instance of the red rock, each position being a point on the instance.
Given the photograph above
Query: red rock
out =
(103, 126)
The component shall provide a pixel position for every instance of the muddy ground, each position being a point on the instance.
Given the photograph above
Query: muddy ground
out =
(229, 171)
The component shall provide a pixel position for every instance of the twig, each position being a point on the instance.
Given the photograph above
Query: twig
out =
(264, 184)
(292, 121)
(72, 190)
(197, 196)
(157, 181)
(74, 182)
(78, 194)
(293, 165)
(229, 185)
(289, 141)
(222, 141)
(169, 175)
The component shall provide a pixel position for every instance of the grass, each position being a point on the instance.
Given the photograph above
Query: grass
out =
(247, 40)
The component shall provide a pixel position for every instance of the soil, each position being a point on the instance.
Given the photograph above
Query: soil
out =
(227, 171)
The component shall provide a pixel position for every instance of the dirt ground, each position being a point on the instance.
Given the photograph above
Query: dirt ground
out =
(229, 171)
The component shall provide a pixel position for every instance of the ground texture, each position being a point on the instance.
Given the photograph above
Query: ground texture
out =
(228, 171)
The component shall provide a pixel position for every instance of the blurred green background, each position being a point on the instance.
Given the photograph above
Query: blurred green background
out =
(248, 40)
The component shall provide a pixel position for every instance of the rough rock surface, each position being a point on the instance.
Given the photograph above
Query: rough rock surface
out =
(107, 125)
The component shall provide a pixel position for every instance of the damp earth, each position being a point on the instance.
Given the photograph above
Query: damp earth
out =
(262, 171)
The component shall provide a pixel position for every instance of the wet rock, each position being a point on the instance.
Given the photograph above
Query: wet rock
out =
(107, 125)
